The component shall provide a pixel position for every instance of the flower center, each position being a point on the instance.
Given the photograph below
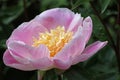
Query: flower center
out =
(54, 40)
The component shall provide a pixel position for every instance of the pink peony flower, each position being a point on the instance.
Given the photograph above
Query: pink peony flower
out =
(56, 38)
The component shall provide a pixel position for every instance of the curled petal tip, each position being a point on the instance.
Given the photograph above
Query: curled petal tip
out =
(88, 19)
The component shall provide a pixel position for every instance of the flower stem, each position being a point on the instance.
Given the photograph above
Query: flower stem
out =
(59, 77)
(59, 74)
(40, 74)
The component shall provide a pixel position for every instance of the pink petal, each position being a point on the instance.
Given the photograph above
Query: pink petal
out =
(38, 57)
(89, 51)
(26, 31)
(63, 58)
(55, 17)
(75, 23)
(41, 58)
(39, 52)
(43, 63)
(20, 51)
(10, 61)
(87, 26)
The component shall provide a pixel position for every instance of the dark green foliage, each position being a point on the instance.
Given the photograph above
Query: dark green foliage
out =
(102, 66)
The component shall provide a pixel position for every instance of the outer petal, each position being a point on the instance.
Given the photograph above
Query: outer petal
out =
(43, 64)
(55, 17)
(20, 51)
(26, 31)
(38, 57)
(89, 51)
(62, 61)
(87, 26)
(41, 58)
(76, 22)
(10, 61)
(63, 58)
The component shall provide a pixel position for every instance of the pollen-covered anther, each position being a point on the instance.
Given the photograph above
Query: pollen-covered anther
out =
(55, 40)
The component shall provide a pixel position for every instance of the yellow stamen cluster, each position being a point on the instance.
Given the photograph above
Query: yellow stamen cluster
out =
(54, 40)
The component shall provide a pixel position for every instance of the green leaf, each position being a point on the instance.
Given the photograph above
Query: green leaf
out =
(2, 43)
(104, 5)
(11, 13)
(45, 4)
(79, 2)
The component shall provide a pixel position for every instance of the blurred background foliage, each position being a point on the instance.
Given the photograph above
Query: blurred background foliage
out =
(104, 13)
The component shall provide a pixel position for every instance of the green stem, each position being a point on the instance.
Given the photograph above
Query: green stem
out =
(60, 77)
(59, 73)
(40, 74)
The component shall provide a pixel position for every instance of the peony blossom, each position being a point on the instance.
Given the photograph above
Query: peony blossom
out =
(56, 38)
